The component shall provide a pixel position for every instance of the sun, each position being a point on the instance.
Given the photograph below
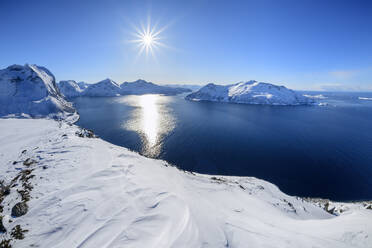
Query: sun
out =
(148, 38)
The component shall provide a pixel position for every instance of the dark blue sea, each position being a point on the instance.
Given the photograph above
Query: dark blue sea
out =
(313, 151)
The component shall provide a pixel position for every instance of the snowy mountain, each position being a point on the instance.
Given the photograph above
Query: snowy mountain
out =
(83, 85)
(105, 87)
(192, 87)
(140, 87)
(251, 92)
(31, 90)
(70, 88)
(68, 190)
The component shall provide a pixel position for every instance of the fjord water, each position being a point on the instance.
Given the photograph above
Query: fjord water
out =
(312, 151)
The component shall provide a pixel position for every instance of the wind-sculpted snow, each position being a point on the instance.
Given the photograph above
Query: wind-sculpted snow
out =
(141, 87)
(31, 90)
(89, 193)
(251, 92)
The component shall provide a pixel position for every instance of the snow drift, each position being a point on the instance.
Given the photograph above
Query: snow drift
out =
(31, 90)
(251, 92)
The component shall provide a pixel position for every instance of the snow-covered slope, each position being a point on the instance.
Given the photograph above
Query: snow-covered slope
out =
(70, 88)
(83, 85)
(85, 192)
(31, 90)
(251, 92)
(105, 87)
(141, 87)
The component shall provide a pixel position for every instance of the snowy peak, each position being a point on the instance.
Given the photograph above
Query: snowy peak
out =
(69, 88)
(141, 86)
(83, 85)
(105, 87)
(29, 81)
(251, 92)
(31, 90)
(108, 81)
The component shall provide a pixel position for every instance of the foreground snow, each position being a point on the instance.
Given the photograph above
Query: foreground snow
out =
(89, 193)
(251, 92)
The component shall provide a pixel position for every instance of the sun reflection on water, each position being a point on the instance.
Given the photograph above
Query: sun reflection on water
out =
(152, 120)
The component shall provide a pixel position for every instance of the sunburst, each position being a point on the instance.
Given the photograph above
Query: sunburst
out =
(148, 39)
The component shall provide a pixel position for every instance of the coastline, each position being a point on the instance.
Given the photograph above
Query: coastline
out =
(88, 192)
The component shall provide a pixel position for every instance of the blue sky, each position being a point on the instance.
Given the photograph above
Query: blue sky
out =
(301, 44)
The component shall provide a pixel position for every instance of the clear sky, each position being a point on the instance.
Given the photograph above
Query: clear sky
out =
(301, 44)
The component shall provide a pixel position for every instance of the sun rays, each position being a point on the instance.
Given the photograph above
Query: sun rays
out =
(148, 39)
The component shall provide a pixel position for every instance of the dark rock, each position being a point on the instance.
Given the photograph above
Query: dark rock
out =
(5, 243)
(2, 228)
(19, 209)
(29, 162)
(85, 133)
(17, 232)
(6, 191)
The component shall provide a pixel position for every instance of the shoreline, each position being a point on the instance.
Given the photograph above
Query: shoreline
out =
(85, 188)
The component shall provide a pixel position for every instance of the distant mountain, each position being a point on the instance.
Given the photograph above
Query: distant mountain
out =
(141, 87)
(105, 87)
(83, 85)
(251, 92)
(70, 88)
(31, 90)
(192, 87)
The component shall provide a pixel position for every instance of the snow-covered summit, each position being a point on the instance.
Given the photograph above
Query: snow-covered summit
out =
(83, 85)
(31, 90)
(70, 88)
(140, 87)
(105, 87)
(251, 92)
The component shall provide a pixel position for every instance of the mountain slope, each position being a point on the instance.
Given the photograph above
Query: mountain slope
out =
(31, 90)
(251, 92)
(89, 193)
(105, 87)
(70, 88)
(141, 87)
